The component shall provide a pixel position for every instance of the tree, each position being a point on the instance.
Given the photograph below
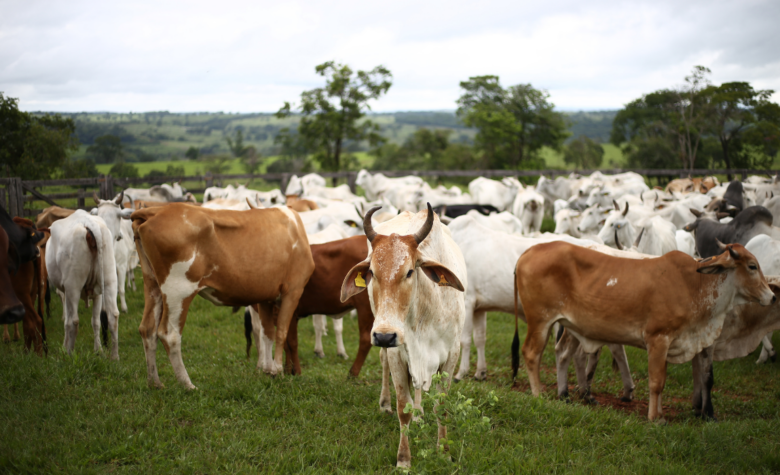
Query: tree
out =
(514, 124)
(251, 160)
(334, 114)
(107, 149)
(81, 168)
(33, 147)
(584, 153)
(123, 170)
(192, 153)
(217, 164)
(734, 109)
(423, 150)
(237, 147)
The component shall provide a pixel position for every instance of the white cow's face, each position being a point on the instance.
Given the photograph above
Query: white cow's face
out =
(592, 219)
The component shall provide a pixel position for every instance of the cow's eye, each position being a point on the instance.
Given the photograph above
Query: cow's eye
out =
(409, 274)
(753, 267)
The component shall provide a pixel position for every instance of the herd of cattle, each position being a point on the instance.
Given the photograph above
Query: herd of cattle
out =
(678, 271)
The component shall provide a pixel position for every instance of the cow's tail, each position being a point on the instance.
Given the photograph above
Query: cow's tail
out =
(248, 330)
(516, 340)
(47, 299)
(98, 237)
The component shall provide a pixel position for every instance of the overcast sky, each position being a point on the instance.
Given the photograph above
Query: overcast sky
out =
(235, 56)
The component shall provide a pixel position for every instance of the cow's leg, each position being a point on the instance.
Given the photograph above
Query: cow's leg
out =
(401, 377)
(590, 371)
(657, 349)
(320, 328)
(620, 359)
(565, 349)
(706, 381)
(32, 326)
(286, 310)
(6, 336)
(696, 364)
(465, 343)
(480, 338)
(131, 278)
(292, 364)
(338, 329)
(385, 403)
(70, 311)
(444, 386)
(174, 315)
(767, 350)
(265, 332)
(16, 330)
(121, 276)
(365, 322)
(153, 303)
(538, 333)
(96, 308)
(113, 327)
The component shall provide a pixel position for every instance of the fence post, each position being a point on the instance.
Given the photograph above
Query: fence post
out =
(209, 178)
(80, 203)
(744, 175)
(351, 178)
(15, 197)
(285, 181)
(3, 202)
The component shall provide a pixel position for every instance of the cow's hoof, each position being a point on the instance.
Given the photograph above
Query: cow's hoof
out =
(773, 358)
(455, 379)
(626, 399)
(404, 464)
(319, 354)
(661, 421)
(386, 409)
(481, 375)
(590, 400)
(343, 356)
(156, 385)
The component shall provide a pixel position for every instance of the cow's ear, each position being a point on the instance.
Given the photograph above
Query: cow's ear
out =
(441, 275)
(774, 288)
(356, 281)
(93, 211)
(126, 212)
(716, 266)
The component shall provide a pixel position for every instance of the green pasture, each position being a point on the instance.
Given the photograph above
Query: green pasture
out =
(85, 414)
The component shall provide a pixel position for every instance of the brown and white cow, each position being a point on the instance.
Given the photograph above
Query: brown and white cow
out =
(415, 276)
(672, 306)
(230, 258)
(322, 295)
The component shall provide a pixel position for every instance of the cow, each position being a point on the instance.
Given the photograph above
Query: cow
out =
(453, 211)
(377, 185)
(322, 295)
(529, 208)
(230, 258)
(672, 305)
(504, 221)
(415, 277)
(749, 223)
(111, 212)
(11, 309)
(50, 215)
(498, 194)
(767, 251)
(80, 262)
(301, 204)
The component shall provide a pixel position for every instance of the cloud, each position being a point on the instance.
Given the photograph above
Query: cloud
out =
(252, 56)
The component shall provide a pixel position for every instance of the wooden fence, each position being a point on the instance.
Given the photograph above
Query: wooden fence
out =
(15, 193)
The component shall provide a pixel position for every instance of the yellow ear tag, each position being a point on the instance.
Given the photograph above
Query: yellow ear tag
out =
(442, 280)
(359, 280)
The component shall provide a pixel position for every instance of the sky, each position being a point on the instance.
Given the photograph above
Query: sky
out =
(252, 56)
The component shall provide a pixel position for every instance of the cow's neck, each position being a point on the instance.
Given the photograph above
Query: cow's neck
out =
(720, 295)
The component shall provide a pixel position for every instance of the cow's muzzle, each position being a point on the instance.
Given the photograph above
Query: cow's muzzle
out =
(14, 314)
(385, 340)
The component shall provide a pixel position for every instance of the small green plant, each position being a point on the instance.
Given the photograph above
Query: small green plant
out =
(461, 415)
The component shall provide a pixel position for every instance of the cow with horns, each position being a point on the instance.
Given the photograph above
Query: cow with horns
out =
(415, 276)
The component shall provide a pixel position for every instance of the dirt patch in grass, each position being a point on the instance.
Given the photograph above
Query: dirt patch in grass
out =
(640, 407)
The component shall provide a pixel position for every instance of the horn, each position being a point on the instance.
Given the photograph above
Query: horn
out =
(358, 212)
(625, 212)
(370, 233)
(642, 197)
(639, 238)
(614, 203)
(251, 206)
(95, 197)
(422, 233)
(120, 197)
(656, 197)
(722, 246)
(617, 242)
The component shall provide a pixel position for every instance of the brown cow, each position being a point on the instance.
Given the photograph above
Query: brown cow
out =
(672, 305)
(322, 295)
(231, 258)
(692, 185)
(300, 205)
(11, 309)
(52, 214)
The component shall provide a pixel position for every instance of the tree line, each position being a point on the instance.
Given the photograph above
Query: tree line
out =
(697, 125)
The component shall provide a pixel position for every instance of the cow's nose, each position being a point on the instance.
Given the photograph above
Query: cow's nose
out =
(774, 299)
(386, 340)
(578, 229)
(13, 315)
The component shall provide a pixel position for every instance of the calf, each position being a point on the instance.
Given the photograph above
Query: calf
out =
(672, 306)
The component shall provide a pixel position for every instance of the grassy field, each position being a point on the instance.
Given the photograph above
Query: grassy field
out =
(85, 414)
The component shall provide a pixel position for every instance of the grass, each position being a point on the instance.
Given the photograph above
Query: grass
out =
(85, 414)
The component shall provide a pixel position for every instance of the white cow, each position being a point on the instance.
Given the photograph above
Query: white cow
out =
(377, 185)
(132, 261)
(505, 222)
(415, 276)
(499, 194)
(80, 263)
(767, 252)
(529, 208)
(296, 186)
(655, 235)
(159, 193)
(342, 214)
(113, 214)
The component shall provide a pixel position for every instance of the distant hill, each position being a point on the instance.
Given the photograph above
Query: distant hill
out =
(162, 135)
